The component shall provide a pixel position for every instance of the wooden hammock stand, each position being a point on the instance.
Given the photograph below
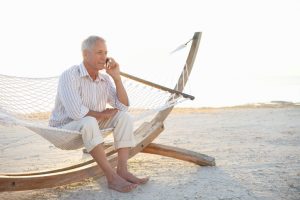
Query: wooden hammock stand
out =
(145, 134)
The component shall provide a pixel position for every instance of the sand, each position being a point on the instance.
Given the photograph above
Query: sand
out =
(257, 152)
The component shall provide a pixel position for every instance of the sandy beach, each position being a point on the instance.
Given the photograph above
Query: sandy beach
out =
(256, 150)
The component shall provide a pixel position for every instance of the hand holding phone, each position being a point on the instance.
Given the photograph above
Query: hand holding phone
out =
(108, 63)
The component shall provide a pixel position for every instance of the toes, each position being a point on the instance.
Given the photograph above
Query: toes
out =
(130, 187)
(144, 180)
(123, 189)
(133, 179)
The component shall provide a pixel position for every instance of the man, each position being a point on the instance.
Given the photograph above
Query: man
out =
(83, 93)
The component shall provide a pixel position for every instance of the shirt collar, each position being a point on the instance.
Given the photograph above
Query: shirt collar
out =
(83, 73)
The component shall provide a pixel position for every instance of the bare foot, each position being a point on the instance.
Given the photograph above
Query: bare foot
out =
(123, 188)
(133, 179)
(121, 185)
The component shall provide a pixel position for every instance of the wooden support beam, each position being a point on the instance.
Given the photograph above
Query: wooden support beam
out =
(181, 154)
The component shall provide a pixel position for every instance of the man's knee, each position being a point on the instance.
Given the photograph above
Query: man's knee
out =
(89, 122)
(89, 128)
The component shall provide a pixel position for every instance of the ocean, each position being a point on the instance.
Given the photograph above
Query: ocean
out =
(241, 91)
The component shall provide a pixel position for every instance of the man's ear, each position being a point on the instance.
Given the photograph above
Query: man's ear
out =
(85, 54)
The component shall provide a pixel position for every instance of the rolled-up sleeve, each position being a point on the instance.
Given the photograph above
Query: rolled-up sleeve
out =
(70, 97)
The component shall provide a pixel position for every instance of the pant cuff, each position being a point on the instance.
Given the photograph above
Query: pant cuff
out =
(89, 147)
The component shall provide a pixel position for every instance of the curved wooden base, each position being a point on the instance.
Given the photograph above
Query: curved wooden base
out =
(181, 154)
(16, 182)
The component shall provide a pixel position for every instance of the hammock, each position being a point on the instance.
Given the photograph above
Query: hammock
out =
(27, 102)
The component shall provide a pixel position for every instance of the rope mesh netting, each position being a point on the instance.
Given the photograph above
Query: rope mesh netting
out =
(32, 99)
(28, 102)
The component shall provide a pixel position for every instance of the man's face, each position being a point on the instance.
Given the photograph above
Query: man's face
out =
(95, 58)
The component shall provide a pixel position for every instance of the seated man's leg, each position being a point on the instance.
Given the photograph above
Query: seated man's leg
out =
(93, 142)
(123, 140)
(123, 131)
(115, 181)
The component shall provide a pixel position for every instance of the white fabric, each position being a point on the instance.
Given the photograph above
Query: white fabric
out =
(121, 123)
(78, 93)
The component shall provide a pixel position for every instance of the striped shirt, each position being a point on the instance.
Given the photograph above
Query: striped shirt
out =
(78, 93)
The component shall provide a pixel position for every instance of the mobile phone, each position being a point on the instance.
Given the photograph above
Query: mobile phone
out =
(107, 63)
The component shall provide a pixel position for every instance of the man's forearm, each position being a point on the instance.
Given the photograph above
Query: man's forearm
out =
(121, 92)
(95, 114)
(105, 114)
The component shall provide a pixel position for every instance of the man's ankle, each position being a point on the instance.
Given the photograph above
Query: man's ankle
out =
(122, 170)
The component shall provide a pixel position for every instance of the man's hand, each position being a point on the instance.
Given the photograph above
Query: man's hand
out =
(107, 113)
(112, 68)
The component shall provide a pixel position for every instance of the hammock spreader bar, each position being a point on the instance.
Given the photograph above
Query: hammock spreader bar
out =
(157, 86)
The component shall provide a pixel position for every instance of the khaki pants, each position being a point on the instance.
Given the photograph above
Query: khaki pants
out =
(121, 123)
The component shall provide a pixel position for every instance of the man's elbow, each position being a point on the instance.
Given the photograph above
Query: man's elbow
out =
(125, 102)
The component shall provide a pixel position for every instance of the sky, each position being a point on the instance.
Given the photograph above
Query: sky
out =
(249, 51)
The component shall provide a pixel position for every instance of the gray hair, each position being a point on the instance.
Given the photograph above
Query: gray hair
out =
(89, 42)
